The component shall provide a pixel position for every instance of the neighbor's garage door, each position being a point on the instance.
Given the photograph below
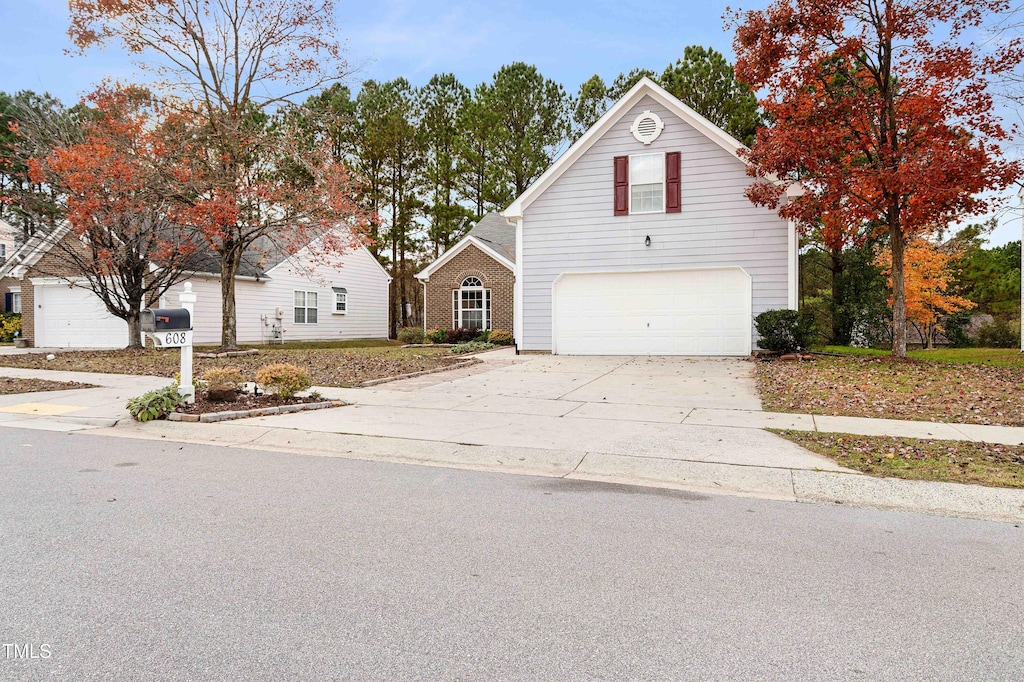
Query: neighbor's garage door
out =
(75, 318)
(678, 312)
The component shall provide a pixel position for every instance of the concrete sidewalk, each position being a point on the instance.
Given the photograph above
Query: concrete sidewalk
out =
(74, 409)
(831, 485)
(553, 418)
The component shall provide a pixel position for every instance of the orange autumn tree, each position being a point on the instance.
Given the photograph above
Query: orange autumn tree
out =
(880, 113)
(234, 66)
(118, 190)
(927, 278)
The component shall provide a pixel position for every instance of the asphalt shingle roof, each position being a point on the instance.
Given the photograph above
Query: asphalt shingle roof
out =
(498, 234)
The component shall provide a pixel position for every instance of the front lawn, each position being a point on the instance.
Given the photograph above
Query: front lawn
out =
(923, 460)
(1002, 357)
(327, 363)
(974, 386)
(11, 385)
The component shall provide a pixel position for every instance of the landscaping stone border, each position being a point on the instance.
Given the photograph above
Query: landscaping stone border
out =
(229, 354)
(457, 365)
(210, 417)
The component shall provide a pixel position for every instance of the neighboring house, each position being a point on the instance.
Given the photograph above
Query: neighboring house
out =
(472, 284)
(8, 240)
(639, 240)
(278, 297)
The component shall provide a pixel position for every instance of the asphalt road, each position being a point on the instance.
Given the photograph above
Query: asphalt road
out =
(150, 560)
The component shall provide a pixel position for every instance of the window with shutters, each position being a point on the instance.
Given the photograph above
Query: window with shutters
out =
(305, 310)
(647, 183)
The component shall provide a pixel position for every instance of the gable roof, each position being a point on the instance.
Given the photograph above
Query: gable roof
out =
(32, 251)
(492, 234)
(496, 231)
(645, 87)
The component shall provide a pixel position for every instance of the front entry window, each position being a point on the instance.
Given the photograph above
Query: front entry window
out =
(471, 305)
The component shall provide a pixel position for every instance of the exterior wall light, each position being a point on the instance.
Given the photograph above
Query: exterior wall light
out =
(647, 240)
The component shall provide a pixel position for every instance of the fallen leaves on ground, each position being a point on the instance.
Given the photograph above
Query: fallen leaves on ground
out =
(911, 458)
(10, 385)
(326, 366)
(880, 388)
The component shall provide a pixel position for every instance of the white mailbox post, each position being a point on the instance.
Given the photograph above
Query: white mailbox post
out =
(185, 387)
(172, 328)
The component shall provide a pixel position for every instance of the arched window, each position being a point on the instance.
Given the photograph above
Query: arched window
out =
(471, 305)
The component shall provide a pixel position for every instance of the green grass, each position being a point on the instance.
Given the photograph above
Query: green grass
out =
(920, 460)
(998, 357)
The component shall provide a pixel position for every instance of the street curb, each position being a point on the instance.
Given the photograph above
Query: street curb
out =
(780, 484)
(458, 365)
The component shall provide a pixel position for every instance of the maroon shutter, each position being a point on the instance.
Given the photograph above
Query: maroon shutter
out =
(621, 185)
(673, 188)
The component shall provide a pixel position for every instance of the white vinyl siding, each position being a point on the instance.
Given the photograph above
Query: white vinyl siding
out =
(259, 303)
(647, 183)
(571, 227)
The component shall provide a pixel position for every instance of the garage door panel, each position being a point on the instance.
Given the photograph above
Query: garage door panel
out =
(682, 312)
(75, 317)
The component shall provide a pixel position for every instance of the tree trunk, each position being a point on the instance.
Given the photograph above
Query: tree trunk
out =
(899, 300)
(229, 325)
(836, 270)
(134, 330)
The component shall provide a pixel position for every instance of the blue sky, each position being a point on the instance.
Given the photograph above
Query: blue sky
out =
(567, 40)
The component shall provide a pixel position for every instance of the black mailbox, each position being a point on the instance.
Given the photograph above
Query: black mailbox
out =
(165, 320)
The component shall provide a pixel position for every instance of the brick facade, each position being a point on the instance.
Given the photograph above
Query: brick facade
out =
(54, 263)
(471, 261)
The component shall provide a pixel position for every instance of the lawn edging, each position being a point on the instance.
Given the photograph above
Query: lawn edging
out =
(211, 417)
(410, 375)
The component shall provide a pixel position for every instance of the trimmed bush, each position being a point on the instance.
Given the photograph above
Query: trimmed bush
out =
(224, 376)
(437, 335)
(460, 335)
(10, 326)
(500, 337)
(472, 347)
(784, 331)
(999, 333)
(411, 335)
(483, 337)
(283, 379)
(155, 404)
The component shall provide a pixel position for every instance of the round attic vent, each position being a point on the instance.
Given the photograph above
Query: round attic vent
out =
(647, 127)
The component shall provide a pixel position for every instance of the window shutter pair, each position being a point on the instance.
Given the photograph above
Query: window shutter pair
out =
(673, 185)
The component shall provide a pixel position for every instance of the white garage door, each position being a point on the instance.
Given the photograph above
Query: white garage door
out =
(677, 312)
(75, 318)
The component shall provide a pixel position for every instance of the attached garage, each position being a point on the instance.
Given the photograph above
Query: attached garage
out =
(74, 317)
(704, 311)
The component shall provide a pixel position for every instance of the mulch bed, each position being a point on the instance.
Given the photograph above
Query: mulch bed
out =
(11, 385)
(911, 389)
(244, 401)
(915, 459)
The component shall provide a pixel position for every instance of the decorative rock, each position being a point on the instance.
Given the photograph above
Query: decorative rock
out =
(792, 357)
(221, 393)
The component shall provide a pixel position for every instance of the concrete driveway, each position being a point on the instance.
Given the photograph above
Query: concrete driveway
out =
(573, 406)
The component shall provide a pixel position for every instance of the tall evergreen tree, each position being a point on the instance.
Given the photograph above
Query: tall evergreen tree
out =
(483, 181)
(441, 104)
(533, 121)
(590, 104)
(704, 80)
